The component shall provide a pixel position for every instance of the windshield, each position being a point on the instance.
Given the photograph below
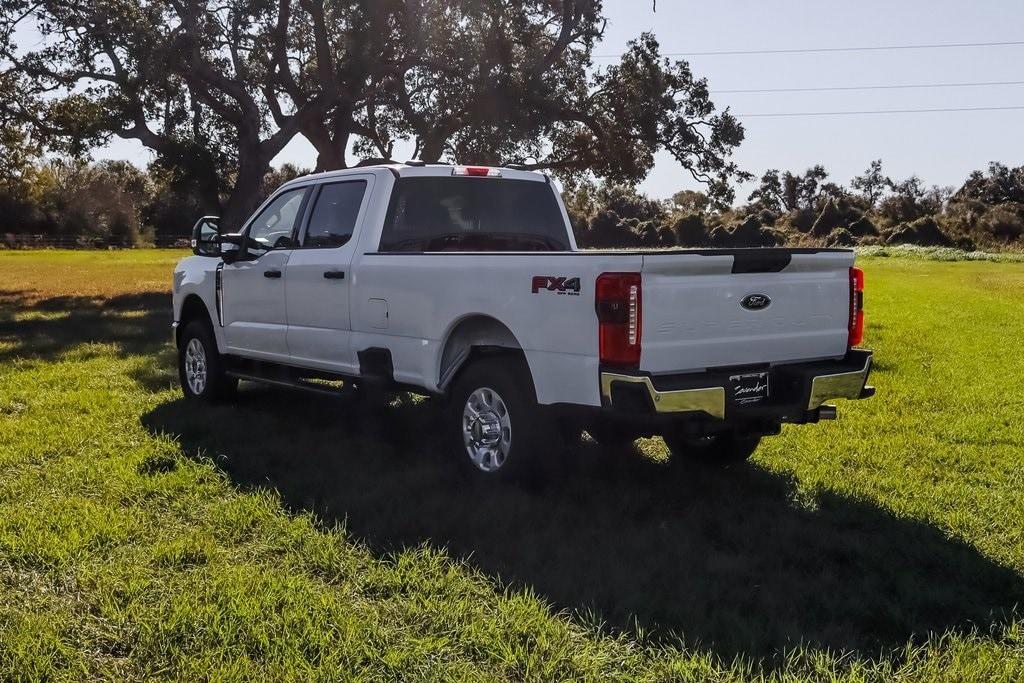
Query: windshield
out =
(473, 214)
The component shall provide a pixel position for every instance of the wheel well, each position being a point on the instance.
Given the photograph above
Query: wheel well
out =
(471, 337)
(192, 309)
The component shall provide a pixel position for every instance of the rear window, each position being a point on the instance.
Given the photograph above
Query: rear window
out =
(473, 214)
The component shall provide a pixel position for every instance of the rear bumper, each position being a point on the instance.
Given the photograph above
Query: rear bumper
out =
(797, 390)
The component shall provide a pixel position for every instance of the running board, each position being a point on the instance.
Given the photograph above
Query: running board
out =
(290, 384)
(305, 379)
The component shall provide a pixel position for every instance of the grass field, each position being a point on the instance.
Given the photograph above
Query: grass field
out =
(302, 538)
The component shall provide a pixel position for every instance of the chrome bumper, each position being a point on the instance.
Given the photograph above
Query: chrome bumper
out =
(710, 400)
(850, 383)
(839, 385)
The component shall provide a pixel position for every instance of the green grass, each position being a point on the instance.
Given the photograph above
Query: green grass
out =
(301, 538)
(910, 251)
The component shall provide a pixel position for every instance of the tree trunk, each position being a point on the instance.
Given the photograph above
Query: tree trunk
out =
(431, 149)
(245, 195)
(208, 188)
(330, 149)
(330, 158)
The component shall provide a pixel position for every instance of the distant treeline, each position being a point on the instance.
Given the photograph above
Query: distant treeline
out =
(114, 203)
(106, 203)
(986, 212)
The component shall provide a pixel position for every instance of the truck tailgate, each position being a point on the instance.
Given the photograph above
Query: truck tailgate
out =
(694, 318)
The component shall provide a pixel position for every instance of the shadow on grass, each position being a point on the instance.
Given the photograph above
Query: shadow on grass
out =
(734, 560)
(47, 328)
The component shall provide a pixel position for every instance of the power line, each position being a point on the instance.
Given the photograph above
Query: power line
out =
(869, 87)
(876, 111)
(793, 51)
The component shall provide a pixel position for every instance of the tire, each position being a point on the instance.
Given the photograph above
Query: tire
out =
(495, 425)
(201, 367)
(717, 449)
(612, 437)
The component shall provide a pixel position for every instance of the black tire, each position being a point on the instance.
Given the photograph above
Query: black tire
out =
(718, 449)
(612, 437)
(218, 386)
(525, 453)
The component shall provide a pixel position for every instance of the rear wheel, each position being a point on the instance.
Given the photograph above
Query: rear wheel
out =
(714, 449)
(612, 437)
(496, 425)
(201, 367)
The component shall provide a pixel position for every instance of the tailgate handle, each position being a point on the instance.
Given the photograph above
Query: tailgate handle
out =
(761, 260)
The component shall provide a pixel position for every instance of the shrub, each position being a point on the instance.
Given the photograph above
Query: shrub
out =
(1005, 222)
(606, 230)
(923, 232)
(862, 227)
(666, 237)
(747, 233)
(828, 220)
(690, 230)
(646, 232)
(767, 217)
(965, 243)
(800, 220)
(840, 237)
(720, 237)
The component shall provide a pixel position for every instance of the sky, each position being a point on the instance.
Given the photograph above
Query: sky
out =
(942, 148)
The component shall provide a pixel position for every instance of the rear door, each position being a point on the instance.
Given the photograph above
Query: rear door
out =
(746, 308)
(253, 290)
(319, 278)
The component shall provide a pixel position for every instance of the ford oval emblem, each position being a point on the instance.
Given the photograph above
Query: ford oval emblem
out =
(756, 302)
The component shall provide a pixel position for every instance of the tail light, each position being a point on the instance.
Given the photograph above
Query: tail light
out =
(480, 171)
(619, 304)
(856, 306)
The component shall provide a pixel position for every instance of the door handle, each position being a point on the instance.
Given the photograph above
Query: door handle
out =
(272, 273)
(334, 275)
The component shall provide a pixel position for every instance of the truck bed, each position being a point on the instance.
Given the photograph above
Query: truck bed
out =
(692, 314)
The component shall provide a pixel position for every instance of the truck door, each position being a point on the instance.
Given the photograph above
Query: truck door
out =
(253, 289)
(319, 278)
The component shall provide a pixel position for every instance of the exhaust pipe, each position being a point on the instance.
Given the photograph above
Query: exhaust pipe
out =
(827, 412)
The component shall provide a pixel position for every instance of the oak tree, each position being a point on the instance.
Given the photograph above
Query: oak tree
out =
(217, 89)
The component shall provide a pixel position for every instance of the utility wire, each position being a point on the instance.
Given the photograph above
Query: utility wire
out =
(869, 87)
(793, 51)
(875, 111)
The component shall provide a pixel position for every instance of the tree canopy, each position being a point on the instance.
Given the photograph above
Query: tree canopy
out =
(789, 191)
(217, 89)
(873, 183)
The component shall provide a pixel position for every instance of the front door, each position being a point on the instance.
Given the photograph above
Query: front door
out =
(253, 287)
(319, 278)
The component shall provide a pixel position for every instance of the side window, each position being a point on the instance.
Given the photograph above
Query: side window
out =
(334, 215)
(273, 227)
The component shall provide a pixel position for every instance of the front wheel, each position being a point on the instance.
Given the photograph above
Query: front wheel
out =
(201, 367)
(496, 425)
(713, 449)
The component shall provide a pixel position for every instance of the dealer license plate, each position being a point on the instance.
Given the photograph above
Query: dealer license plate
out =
(749, 389)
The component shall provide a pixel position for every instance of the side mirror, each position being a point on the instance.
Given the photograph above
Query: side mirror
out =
(206, 237)
(229, 246)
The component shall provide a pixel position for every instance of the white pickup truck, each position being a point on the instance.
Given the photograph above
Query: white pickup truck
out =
(465, 283)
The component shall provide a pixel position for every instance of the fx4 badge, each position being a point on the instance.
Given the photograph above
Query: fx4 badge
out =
(561, 285)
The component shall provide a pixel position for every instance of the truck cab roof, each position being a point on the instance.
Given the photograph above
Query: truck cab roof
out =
(419, 169)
